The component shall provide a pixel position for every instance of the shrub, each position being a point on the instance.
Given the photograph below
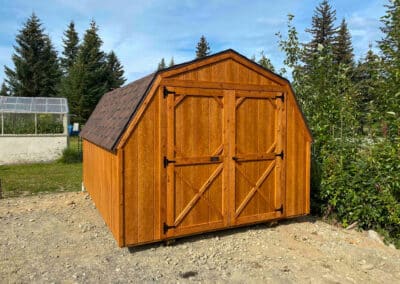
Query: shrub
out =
(71, 155)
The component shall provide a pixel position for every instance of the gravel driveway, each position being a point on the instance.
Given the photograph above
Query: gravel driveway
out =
(61, 238)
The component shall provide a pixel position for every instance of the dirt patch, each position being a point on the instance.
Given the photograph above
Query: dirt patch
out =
(62, 238)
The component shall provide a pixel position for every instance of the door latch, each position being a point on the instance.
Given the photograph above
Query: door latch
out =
(214, 159)
(280, 155)
(166, 162)
(280, 209)
(167, 227)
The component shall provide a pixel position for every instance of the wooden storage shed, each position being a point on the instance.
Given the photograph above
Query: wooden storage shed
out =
(210, 144)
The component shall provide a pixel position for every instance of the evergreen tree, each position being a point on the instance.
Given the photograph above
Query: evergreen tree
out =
(342, 46)
(162, 64)
(172, 62)
(266, 62)
(88, 78)
(390, 48)
(94, 63)
(368, 77)
(115, 72)
(36, 69)
(4, 90)
(71, 47)
(322, 30)
(203, 48)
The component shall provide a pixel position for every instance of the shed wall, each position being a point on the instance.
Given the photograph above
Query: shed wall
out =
(101, 180)
(142, 164)
(297, 162)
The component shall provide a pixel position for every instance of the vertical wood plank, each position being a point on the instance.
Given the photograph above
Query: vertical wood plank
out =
(230, 97)
(170, 155)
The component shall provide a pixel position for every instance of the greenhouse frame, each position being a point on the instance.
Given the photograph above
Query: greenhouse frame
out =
(32, 129)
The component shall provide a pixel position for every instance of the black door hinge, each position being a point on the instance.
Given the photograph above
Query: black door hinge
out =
(167, 227)
(280, 155)
(282, 97)
(166, 162)
(167, 92)
(280, 209)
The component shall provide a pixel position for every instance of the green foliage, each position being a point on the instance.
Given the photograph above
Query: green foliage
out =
(322, 30)
(162, 64)
(115, 72)
(4, 91)
(36, 71)
(171, 62)
(87, 79)
(342, 46)
(266, 62)
(353, 112)
(71, 47)
(202, 48)
(70, 156)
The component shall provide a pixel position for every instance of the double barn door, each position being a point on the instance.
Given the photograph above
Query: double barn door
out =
(224, 158)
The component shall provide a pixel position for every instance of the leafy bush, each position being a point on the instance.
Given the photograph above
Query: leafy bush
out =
(71, 155)
(362, 185)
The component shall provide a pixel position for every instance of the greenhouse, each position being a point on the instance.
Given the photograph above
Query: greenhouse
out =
(33, 129)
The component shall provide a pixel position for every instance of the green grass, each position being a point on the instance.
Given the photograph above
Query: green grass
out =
(28, 179)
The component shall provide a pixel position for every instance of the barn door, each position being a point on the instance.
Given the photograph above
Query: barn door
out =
(194, 160)
(258, 156)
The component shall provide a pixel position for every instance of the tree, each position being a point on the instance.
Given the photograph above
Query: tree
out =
(94, 63)
(368, 78)
(71, 47)
(88, 78)
(265, 62)
(36, 70)
(115, 71)
(342, 46)
(171, 62)
(162, 64)
(390, 48)
(322, 29)
(4, 90)
(203, 48)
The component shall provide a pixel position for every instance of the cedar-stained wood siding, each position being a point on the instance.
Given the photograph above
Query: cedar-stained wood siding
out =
(101, 180)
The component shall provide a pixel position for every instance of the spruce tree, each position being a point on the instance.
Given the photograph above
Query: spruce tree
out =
(71, 47)
(342, 46)
(322, 29)
(36, 70)
(367, 76)
(171, 62)
(203, 48)
(88, 78)
(390, 48)
(162, 64)
(94, 61)
(4, 90)
(266, 62)
(115, 71)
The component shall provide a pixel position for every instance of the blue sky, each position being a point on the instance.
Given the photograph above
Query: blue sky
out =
(142, 32)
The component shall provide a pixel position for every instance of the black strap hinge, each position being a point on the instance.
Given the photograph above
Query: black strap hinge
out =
(167, 92)
(166, 162)
(281, 154)
(282, 97)
(167, 227)
(280, 209)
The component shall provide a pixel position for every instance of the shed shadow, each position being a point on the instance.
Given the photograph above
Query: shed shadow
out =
(224, 233)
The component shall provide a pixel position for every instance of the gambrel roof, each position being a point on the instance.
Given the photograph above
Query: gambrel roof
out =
(116, 109)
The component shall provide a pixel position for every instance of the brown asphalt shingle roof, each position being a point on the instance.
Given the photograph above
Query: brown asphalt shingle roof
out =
(113, 113)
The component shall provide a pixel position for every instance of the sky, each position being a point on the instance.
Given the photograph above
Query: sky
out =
(141, 32)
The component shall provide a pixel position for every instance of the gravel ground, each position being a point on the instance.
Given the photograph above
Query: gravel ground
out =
(61, 238)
